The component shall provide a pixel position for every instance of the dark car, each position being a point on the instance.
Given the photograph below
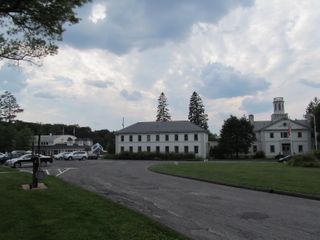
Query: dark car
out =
(27, 158)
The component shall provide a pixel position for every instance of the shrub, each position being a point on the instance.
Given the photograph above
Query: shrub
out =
(317, 154)
(260, 154)
(155, 156)
(304, 161)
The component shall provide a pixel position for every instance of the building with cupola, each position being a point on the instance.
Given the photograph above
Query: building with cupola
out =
(281, 135)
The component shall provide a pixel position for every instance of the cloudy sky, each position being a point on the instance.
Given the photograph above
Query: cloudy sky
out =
(237, 54)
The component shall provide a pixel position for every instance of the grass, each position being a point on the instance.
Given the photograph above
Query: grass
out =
(67, 212)
(264, 175)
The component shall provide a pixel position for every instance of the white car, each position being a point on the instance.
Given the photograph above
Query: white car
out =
(60, 156)
(79, 155)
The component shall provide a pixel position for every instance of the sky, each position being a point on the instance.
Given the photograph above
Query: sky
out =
(236, 54)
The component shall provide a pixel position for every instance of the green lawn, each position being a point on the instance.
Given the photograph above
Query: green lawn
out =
(268, 175)
(67, 212)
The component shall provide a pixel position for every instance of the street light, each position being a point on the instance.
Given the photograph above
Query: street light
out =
(315, 129)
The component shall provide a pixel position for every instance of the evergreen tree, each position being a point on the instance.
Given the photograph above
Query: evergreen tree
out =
(236, 135)
(163, 114)
(313, 113)
(9, 107)
(196, 111)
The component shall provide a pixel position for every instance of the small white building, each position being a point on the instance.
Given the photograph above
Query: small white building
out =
(163, 137)
(281, 135)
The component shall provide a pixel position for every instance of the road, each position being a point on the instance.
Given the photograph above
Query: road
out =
(197, 209)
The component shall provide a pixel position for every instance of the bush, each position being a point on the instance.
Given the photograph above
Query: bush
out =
(317, 154)
(260, 154)
(304, 161)
(155, 156)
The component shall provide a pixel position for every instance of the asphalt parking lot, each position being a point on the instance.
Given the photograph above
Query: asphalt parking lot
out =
(197, 209)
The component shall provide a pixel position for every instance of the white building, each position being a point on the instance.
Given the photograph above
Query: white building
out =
(281, 135)
(54, 144)
(163, 137)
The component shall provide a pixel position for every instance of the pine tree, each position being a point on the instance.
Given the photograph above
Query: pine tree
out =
(196, 111)
(163, 114)
(9, 107)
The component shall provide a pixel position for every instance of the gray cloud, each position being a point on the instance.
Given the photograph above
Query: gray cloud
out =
(144, 24)
(12, 79)
(45, 95)
(220, 81)
(133, 96)
(310, 83)
(99, 83)
(65, 80)
(252, 105)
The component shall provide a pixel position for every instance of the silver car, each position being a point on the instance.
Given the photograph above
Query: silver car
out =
(78, 155)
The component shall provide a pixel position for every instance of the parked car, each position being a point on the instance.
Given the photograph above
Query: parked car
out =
(284, 159)
(79, 155)
(92, 155)
(27, 158)
(60, 156)
(3, 158)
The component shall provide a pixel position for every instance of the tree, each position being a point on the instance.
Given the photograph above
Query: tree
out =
(196, 111)
(236, 135)
(31, 28)
(9, 107)
(163, 111)
(313, 109)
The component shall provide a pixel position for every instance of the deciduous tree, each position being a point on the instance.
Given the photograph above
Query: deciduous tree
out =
(236, 135)
(30, 28)
(9, 108)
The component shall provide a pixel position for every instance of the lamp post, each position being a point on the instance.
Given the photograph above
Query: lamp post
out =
(315, 131)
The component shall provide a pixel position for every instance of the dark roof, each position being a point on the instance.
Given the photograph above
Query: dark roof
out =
(161, 127)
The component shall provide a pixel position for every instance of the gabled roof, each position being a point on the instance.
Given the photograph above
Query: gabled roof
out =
(261, 125)
(161, 127)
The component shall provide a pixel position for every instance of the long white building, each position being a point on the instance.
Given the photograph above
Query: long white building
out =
(163, 137)
(281, 135)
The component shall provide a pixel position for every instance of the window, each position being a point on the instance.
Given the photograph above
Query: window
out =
(196, 137)
(186, 149)
(284, 134)
(157, 138)
(272, 148)
(176, 149)
(148, 149)
(122, 149)
(167, 149)
(130, 138)
(271, 135)
(139, 149)
(139, 138)
(167, 137)
(130, 149)
(122, 138)
(148, 138)
(196, 149)
(300, 148)
(176, 137)
(157, 149)
(254, 148)
(186, 137)
(299, 134)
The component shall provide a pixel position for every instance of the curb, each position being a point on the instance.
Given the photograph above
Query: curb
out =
(266, 190)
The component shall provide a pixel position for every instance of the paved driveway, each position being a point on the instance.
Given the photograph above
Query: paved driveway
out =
(197, 209)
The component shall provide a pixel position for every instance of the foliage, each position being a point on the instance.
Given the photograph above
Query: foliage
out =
(313, 112)
(217, 152)
(317, 154)
(154, 156)
(9, 108)
(259, 154)
(163, 114)
(236, 135)
(196, 111)
(13, 135)
(265, 175)
(307, 160)
(31, 28)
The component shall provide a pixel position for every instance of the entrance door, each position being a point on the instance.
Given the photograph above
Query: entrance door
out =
(286, 149)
